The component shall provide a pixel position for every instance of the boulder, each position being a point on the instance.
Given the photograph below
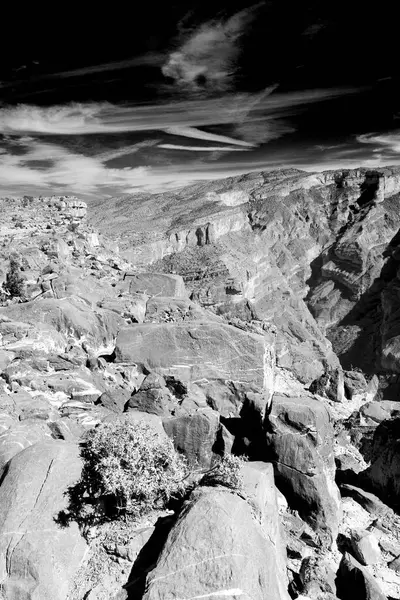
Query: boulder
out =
(258, 482)
(114, 399)
(317, 579)
(376, 412)
(203, 354)
(153, 397)
(355, 384)
(299, 437)
(69, 317)
(38, 557)
(131, 308)
(383, 475)
(354, 581)
(21, 435)
(364, 546)
(330, 385)
(157, 284)
(195, 435)
(369, 501)
(216, 548)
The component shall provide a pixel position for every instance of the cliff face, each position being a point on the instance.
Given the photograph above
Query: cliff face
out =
(310, 253)
(230, 316)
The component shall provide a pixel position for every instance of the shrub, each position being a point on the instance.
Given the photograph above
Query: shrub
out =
(14, 285)
(131, 466)
(226, 472)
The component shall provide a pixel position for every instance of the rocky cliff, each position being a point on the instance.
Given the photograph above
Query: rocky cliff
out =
(255, 315)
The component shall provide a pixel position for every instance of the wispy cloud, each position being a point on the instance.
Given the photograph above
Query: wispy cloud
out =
(202, 148)
(149, 59)
(81, 119)
(193, 132)
(113, 154)
(46, 168)
(382, 141)
(205, 58)
(41, 167)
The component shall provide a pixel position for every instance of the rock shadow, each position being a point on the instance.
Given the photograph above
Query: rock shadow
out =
(147, 558)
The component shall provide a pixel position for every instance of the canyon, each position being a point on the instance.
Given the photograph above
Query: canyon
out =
(256, 315)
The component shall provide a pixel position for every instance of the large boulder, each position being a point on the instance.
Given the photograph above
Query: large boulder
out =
(38, 557)
(157, 284)
(383, 475)
(207, 355)
(71, 318)
(21, 435)
(259, 486)
(216, 548)
(195, 435)
(364, 546)
(299, 439)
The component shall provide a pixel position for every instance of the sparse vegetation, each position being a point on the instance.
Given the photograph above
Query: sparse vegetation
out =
(14, 286)
(129, 469)
(227, 472)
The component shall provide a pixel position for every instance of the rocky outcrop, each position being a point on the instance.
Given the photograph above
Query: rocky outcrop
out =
(218, 314)
(213, 357)
(196, 436)
(300, 442)
(39, 558)
(384, 473)
(216, 548)
(156, 284)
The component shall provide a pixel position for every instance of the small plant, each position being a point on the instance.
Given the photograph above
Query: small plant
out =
(129, 469)
(226, 472)
(14, 286)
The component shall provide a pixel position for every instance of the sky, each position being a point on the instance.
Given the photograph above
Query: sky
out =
(119, 101)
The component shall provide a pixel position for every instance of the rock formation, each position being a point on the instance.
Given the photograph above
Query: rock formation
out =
(254, 316)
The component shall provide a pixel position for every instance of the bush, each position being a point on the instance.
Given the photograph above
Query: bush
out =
(226, 472)
(130, 466)
(14, 285)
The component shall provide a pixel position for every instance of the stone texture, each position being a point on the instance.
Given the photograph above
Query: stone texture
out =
(195, 435)
(38, 557)
(216, 547)
(262, 494)
(153, 397)
(114, 400)
(20, 436)
(206, 355)
(157, 284)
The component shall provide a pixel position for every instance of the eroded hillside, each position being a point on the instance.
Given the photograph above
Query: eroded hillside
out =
(255, 316)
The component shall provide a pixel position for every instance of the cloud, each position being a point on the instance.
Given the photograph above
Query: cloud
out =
(383, 141)
(150, 59)
(76, 172)
(38, 167)
(206, 58)
(90, 118)
(262, 130)
(113, 154)
(202, 148)
(192, 132)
